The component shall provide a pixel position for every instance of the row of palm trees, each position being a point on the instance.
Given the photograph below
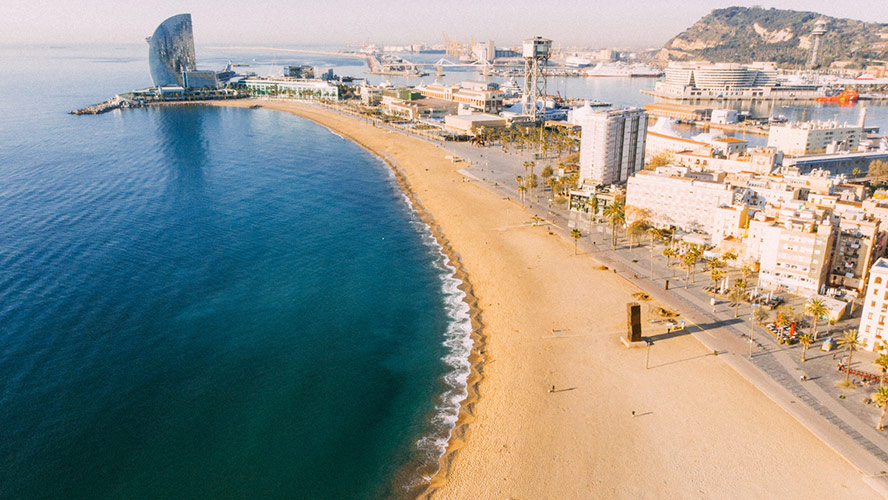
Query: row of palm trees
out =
(850, 341)
(523, 138)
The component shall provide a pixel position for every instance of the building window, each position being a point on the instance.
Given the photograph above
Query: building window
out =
(867, 328)
(878, 279)
(869, 316)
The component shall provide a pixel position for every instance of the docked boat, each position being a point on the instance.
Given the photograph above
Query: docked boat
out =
(510, 88)
(846, 96)
(577, 61)
(624, 71)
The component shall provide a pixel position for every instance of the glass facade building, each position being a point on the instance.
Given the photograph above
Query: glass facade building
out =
(171, 51)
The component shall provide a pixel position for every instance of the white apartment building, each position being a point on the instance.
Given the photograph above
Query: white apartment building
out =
(875, 306)
(808, 138)
(675, 199)
(796, 251)
(760, 192)
(612, 145)
(760, 161)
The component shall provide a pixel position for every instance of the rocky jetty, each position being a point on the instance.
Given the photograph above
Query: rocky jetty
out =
(115, 102)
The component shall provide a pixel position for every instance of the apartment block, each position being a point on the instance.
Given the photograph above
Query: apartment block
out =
(612, 146)
(875, 307)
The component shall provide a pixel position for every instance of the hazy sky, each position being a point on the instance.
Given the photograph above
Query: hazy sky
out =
(593, 23)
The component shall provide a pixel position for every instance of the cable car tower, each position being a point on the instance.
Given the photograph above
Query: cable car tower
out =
(536, 56)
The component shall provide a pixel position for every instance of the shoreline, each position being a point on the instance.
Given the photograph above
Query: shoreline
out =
(476, 356)
(581, 441)
(478, 353)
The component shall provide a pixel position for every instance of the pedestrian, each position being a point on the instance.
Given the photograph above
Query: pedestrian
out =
(633, 413)
(552, 389)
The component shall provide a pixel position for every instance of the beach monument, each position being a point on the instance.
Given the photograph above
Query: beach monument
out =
(633, 322)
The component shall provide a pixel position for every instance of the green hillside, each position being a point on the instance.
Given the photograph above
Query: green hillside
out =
(741, 34)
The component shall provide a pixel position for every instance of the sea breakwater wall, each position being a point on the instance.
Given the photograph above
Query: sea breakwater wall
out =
(115, 102)
(141, 100)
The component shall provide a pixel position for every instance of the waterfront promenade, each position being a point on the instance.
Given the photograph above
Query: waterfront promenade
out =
(846, 426)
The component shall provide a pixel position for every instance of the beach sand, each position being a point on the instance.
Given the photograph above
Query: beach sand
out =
(699, 431)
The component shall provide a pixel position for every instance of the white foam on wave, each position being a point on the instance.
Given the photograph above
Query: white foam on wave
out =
(458, 341)
(333, 132)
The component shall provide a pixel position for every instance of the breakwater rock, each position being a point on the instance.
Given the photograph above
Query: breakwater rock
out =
(115, 102)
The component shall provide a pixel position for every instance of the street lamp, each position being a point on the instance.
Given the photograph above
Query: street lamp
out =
(751, 326)
(647, 360)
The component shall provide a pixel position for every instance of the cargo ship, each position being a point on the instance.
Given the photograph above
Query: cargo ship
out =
(846, 96)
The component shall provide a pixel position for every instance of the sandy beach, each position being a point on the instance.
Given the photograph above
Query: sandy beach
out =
(699, 429)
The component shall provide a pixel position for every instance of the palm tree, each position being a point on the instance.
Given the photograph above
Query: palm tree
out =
(669, 253)
(729, 256)
(880, 397)
(736, 298)
(655, 234)
(576, 235)
(716, 275)
(689, 261)
(634, 230)
(553, 184)
(816, 309)
(850, 340)
(546, 173)
(882, 363)
(521, 190)
(761, 315)
(593, 205)
(616, 214)
(806, 340)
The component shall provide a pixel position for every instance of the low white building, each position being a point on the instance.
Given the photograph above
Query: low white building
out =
(689, 201)
(471, 123)
(760, 161)
(875, 307)
(808, 138)
(723, 116)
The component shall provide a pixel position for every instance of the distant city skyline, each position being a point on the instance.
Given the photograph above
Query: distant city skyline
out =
(630, 24)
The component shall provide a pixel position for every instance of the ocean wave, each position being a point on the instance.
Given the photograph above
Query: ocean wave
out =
(459, 342)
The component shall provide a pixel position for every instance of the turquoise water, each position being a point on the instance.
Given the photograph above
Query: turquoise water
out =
(200, 302)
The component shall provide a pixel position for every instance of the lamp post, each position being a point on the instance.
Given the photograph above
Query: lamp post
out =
(751, 327)
(647, 360)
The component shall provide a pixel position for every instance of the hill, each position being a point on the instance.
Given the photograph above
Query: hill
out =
(741, 34)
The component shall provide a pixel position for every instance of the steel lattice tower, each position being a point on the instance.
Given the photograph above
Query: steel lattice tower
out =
(536, 57)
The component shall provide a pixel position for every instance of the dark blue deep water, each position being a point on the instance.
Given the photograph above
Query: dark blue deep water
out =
(201, 302)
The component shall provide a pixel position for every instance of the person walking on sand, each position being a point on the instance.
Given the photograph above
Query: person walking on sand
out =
(552, 389)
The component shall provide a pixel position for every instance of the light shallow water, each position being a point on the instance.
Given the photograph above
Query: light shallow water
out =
(205, 302)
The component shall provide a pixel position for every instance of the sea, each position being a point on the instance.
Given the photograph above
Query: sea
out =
(205, 302)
